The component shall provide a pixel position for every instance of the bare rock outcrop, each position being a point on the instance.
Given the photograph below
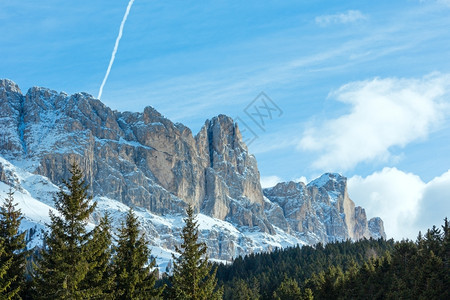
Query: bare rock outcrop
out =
(376, 228)
(320, 211)
(233, 191)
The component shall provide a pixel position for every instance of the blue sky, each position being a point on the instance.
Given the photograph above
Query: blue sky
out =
(363, 86)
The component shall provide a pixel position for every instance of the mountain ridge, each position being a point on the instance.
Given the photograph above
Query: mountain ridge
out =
(146, 161)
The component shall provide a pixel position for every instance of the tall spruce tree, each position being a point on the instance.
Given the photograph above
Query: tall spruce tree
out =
(13, 243)
(192, 276)
(5, 282)
(133, 264)
(64, 262)
(100, 277)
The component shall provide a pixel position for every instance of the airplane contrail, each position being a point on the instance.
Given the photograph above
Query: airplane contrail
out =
(113, 55)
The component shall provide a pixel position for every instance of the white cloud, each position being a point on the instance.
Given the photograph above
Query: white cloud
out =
(435, 203)
(341, 18)
(406, 204)
(383, 113)
(269, 181)
(392, 195)
(301, 179)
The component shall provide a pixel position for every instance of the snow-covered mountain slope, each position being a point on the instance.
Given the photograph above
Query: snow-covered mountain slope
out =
(34, 195)
(158, 167)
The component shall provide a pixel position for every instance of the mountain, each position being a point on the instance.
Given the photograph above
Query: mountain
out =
(146, 161)
(320, 211)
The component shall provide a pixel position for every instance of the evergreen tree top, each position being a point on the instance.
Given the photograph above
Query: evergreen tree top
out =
(64, 264)
(193, 277)
(13, 244)
(135, 277)
(74, 204)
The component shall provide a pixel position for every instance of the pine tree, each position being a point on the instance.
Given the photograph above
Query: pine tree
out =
(288, 290)
(64, 262)
(5, 282)
(192, 276)
(100, 277)
(13, 243)
(308, 294)
(134, 276)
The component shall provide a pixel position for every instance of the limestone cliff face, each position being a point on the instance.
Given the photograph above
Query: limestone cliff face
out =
(141, 159)
(145, 160)
(320, 211)
(10, 107)
(233, 191)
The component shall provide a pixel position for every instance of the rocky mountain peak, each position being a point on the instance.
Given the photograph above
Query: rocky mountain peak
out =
(321, 210)
(42, 93)
(233, 186)
(151, 115)
(286, 189)
(330, 181)
(376, 228)
(9, 86)
(223, 131)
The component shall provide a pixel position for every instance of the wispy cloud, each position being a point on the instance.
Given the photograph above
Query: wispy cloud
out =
(350, 16)
(301, 179)
(199, 95)
(270, 181)
(383, 113)
(442, 2)
(404, 202)
(197, 90)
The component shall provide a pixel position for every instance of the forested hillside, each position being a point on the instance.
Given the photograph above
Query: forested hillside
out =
(375, 269)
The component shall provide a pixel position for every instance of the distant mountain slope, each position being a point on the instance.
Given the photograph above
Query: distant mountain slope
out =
(320, 211)
(146, 161)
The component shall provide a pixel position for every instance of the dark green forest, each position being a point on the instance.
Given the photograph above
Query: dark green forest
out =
(269, 270)
(366, 269)
(78, 264)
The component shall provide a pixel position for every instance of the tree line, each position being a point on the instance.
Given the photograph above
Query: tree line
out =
(75, 263)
